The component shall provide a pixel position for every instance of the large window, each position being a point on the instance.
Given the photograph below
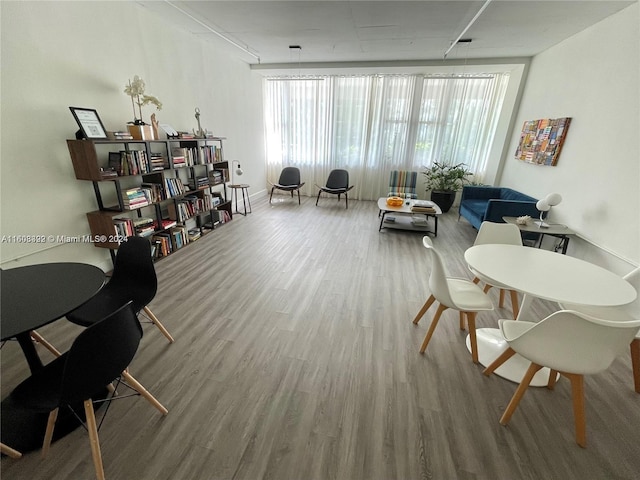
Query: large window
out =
(375, 123)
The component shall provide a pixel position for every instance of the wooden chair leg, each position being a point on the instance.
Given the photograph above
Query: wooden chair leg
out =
(553, 377)
(476, 280)
(137, 386)
(432, 327)
(517, 396)
(92, 428)
(501, 298)
(471, 320)
(503, 357)
(36, 337)
(158, 324)
(514, 303)
(9, 452)
(577, 391)
(487, 288)
(48, 434)
(424, 309)
(635, 363)
(461, 315)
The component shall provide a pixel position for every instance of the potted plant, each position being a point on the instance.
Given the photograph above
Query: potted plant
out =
(444, 180)
(138, 129)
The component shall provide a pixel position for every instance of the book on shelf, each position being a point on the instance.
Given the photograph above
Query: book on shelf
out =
(165, 224)
(132, 162)
(108, 173)
(143, 226)
(194, 234)
(124, 226)
(174, 187)
(158, 162)
(157, 192)
(162, 242)
(179, 237)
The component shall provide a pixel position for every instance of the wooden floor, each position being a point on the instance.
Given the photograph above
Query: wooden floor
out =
(295, 358)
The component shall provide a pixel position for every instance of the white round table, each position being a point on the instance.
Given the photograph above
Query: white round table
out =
(543, 274)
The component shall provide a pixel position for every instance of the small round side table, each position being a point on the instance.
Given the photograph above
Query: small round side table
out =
(245, 197)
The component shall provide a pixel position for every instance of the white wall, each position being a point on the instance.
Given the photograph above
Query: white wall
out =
(61, 54)
(593, 78)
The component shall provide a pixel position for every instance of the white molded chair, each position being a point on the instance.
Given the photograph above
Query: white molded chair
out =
(569, 343)
(504, 234)
(627, 312)
(457, 293)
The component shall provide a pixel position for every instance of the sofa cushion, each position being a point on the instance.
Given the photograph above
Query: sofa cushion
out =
(478, 207)
(509, 194)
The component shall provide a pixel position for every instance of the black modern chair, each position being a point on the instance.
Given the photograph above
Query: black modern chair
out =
(289, 181)
(337, 184)
(133, 279)
(98, 356)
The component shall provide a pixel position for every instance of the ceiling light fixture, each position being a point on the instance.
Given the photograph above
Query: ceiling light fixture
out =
(199, 22)
(455, 42)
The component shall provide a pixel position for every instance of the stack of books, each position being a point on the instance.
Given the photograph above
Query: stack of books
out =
(158, 162)
(143, 226)
(120, 135)
(136, 198)
(198, 183)
(423, 206)
(179, 157)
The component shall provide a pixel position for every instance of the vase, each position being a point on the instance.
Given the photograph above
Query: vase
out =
(444, 199)
(141, 132)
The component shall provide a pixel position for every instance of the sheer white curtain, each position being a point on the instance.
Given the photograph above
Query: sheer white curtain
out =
(373, 124)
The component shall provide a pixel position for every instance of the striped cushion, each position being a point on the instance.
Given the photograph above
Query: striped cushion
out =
(403, 184)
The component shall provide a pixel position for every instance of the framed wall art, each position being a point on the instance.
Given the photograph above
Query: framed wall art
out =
(89, 122)
(541, 140)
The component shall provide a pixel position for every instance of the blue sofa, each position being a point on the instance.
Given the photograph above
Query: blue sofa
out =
(479, 204)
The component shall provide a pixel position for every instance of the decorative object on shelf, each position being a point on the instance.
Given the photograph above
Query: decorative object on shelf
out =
(89, 122)
(169, 130)
(200, 133)
(541, 140)
(154, 125)
(444, 180)
(395, 201)
(545, 205)
(137, 128)
(523, 220)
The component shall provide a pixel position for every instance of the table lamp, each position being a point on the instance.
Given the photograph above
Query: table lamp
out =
(238, 170)
(545, 205)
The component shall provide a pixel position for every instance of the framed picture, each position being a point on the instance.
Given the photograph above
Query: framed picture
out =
(89, 122)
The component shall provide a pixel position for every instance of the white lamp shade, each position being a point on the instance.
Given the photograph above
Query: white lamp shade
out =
(553, 199)
(543, 205)
(239, 171)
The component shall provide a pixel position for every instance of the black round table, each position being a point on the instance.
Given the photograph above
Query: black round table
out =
(34, 296)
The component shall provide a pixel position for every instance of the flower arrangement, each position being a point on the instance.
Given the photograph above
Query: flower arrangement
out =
(135, 90)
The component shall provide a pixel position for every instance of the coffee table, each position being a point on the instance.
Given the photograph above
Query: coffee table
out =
(403, 218)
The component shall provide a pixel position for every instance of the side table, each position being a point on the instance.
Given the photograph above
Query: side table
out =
(555, 230)
(245, 197)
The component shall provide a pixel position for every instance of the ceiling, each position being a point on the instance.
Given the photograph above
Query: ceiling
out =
(261, 32)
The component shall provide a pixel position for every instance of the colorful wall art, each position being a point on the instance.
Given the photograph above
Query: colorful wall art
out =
(541, 140)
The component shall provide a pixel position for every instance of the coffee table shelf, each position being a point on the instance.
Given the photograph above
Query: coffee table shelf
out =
(405, 219)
